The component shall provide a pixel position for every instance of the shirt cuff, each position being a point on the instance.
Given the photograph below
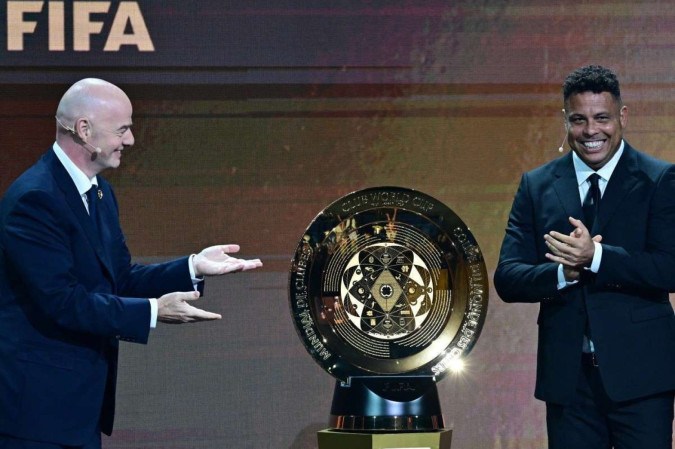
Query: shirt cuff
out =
(153, 312)
(195, 279)
(562, 282)
(597, 258)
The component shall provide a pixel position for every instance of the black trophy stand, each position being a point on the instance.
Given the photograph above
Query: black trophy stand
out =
(376, 411)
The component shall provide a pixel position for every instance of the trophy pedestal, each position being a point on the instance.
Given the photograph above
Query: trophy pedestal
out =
(386, 412)
(382, 404)
(335, 439)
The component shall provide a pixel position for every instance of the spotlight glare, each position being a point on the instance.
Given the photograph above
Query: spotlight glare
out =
(456, 366)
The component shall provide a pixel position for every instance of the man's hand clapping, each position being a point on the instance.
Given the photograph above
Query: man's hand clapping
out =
(574, 251)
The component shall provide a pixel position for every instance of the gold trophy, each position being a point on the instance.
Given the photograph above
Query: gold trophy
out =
(388, 293)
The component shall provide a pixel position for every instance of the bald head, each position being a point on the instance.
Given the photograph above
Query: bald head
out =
(94, 125)
(88, 98)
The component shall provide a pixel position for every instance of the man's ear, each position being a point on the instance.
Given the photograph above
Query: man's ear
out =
(82, 128)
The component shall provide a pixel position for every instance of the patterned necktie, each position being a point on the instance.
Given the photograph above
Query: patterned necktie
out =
(592, 201)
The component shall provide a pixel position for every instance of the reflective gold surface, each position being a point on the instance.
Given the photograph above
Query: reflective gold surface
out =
(388, 281)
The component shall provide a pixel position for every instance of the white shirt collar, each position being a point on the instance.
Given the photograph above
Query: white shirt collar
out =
(583, 171)
(82, 183)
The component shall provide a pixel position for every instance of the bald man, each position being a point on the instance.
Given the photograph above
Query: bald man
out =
(68, 289)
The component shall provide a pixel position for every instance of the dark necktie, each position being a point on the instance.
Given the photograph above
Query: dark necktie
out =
(592, 201)
(92, 200)
(590, 206)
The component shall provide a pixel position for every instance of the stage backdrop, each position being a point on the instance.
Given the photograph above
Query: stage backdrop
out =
(251, 117)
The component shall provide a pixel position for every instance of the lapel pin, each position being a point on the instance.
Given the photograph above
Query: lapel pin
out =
(99, 193)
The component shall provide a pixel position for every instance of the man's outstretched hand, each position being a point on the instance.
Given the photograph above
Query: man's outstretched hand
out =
(215, 260)
(175, 308)
(212, 261)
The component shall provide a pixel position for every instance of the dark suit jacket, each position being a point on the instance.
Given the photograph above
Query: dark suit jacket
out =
(630, 317)
(66, 298)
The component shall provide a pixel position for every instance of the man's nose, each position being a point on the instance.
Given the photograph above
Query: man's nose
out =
(591, 128)
(128, 139)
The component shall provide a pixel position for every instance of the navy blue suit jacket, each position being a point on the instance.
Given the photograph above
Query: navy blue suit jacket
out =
(67, 296)
(630, 317)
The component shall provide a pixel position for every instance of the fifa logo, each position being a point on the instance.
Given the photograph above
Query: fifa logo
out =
(86, 18)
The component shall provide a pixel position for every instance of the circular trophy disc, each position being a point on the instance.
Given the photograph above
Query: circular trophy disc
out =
(388, 281)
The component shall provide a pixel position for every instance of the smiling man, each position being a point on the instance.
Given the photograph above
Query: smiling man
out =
(591, 238)
(95, 116)
(68, 289)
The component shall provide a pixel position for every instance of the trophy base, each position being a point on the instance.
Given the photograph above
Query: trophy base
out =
(335, 439)
(384, 404)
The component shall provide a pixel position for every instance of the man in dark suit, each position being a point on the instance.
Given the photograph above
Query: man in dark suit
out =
(591, 238)
(68, 289)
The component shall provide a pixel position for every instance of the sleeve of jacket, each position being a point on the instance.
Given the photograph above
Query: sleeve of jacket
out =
(523, 274)
(147, 281)
(651, 267)
(40, 246)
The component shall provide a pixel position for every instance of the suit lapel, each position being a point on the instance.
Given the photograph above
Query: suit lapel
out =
(624, 180)
(77, 207)
(567, 188)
